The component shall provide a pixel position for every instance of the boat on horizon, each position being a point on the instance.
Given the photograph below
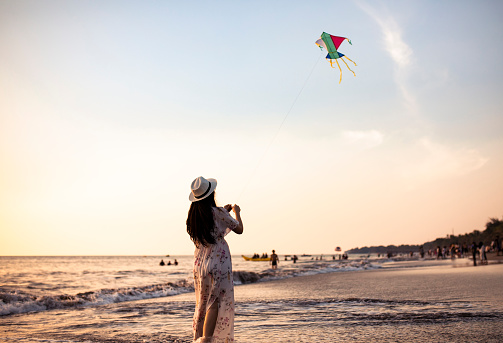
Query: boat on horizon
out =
(256, 258)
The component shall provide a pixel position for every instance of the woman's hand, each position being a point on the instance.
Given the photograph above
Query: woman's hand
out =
(228, 207)
(236, 209)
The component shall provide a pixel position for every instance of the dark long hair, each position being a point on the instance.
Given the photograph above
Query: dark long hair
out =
(200, 221)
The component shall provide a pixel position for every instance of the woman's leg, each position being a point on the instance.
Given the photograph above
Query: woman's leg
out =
(210, 320)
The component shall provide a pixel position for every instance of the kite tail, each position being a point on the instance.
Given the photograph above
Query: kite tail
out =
(348, 67)
(349, 41)
(340, 70)
(350, 60)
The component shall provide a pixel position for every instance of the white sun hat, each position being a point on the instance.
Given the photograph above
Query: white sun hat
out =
(201, 188)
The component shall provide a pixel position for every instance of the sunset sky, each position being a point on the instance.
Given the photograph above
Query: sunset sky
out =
(109, 110)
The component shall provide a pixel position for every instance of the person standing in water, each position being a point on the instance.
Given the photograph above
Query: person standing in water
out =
(274, 260)
(207, 226)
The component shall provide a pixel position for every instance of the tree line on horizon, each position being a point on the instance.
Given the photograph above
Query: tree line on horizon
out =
(494, 228)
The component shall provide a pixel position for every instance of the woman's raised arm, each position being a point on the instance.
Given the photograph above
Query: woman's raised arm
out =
(237, 213)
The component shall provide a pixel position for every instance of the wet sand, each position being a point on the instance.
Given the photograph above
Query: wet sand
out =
(449, 302)
(441, 301)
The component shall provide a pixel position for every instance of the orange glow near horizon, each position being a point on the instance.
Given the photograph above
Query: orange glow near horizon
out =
(105, 123)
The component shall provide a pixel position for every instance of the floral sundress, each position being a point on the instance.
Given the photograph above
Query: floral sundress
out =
(213, 281)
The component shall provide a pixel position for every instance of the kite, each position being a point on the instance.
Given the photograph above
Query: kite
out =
(331, 44)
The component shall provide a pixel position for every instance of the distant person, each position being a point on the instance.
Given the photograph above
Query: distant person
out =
(474, 253)
(483, 256)
(176, 262)
(207, 225)
(274, 260)
(162, 263)
(169, 263)
(453, 251)
(295, 258)
(497, 242)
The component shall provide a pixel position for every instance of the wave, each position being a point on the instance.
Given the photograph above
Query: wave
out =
(244, 277)
(15, 301)
(369, 311)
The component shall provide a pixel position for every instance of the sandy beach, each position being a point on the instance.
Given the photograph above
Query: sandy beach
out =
(443, 301)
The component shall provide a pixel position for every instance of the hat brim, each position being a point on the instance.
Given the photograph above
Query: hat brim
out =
(213, 185)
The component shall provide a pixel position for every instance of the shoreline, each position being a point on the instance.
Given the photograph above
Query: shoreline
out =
(404, 301)
(14, 300)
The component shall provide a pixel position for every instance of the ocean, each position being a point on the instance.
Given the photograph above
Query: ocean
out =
(134, 299)
(34, 284)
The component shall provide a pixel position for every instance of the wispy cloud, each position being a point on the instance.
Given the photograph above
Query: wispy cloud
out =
(399, 51)
(449, 161)
(433, 161)
(397, 48)
(362, 139)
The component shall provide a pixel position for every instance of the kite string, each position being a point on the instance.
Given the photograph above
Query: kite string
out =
(279, 129)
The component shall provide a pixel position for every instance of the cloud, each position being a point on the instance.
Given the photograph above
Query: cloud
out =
(394, 44)
(449, 161)
(399, 51)
(433, 161)
(362, 139)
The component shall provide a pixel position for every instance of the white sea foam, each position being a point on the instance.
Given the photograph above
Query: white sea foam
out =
(53, 287)
(14, 301)
(311, 268)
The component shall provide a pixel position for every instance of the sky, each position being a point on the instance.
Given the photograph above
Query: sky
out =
(109, 110)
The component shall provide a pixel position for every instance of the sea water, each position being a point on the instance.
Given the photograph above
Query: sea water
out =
(133, 299)
(33, 284)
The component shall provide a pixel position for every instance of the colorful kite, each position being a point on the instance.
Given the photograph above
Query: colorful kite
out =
(331, 44)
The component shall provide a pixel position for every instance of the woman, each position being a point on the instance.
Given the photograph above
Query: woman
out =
(207, 225)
